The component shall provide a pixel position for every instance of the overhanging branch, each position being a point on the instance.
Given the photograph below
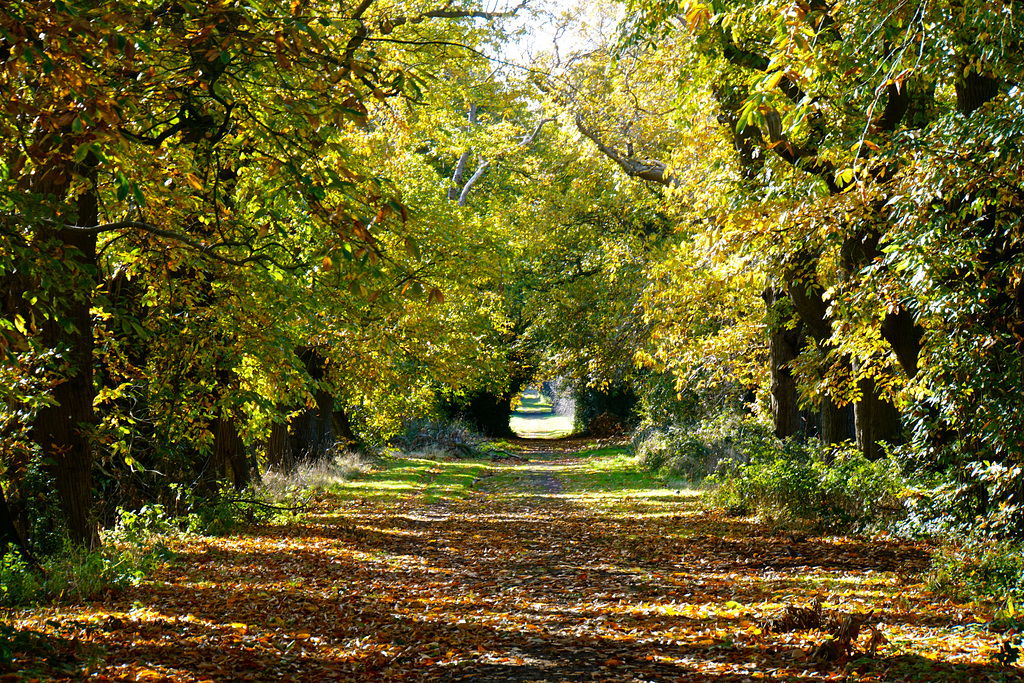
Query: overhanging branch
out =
(205, 249)
(646, 169)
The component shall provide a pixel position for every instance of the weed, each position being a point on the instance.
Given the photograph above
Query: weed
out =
(316, 477)
(19, 584)
(977, 569)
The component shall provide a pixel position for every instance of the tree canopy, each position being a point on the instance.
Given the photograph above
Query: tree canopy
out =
(233, 233)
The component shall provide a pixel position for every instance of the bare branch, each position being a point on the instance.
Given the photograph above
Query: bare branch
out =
(464, 197)
(460, 169)
(528, 140)
(391, 24)
(646, 169)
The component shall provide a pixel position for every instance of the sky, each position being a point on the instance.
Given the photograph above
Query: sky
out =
(565, 25)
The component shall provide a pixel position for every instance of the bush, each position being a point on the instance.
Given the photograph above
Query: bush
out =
(19, 584)
(980, 569)
(835, 488)
(75, 573)
(439, 438)
(696, 452)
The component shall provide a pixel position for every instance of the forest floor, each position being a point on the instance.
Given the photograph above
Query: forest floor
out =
(568, 566)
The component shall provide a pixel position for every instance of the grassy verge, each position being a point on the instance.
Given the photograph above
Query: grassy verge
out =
(410, 478)
(534, 419)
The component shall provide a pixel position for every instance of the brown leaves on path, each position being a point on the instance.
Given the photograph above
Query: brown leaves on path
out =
(540, 586)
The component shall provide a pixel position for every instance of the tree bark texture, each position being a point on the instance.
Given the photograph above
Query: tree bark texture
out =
(62, 430)
(876, 420)
(229, 460)
(279, 448)
(784, 342)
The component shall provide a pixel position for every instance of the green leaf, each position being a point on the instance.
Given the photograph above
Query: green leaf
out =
(413, 247)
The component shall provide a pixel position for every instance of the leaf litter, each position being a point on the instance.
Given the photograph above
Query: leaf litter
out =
(523, 580)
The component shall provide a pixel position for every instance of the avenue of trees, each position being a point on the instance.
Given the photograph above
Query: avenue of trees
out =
(232, 234)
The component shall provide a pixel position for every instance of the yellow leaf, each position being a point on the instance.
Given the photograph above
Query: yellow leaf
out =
(327, 263)
(194, 181)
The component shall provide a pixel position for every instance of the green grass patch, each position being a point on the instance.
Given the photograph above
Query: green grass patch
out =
(607, 479)
(534, 419)
(414, 478)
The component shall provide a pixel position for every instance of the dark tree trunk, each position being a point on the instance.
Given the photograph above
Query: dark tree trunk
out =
(870, 420)
(904, 336)
(312, 432)
(229, 459)
(279, 448)
(9, 536)
(62, 430)
(877, 420)
(783, 347)
(837, 422)
(343, 433)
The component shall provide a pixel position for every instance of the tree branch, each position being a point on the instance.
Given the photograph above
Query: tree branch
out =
(484, 165)
(205, 249)
(388, 25)
(646, 169)
(464, 197)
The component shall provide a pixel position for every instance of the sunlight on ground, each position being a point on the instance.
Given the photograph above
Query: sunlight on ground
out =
(558, 568)
(534, 418)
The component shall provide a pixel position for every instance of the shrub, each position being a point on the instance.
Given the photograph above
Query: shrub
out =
(19, 584)
(980, 569)
(835, 488)
(439, 438)
(696, 452)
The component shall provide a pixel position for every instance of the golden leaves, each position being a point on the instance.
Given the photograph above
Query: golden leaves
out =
(655, 589)
(194, 181)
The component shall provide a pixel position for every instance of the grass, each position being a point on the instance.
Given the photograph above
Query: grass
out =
(535, 419)
(411, 478)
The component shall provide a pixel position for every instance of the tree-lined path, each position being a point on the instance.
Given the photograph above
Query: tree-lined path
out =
(556, 568)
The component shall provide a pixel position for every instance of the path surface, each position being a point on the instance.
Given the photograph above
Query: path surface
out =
(531, 578)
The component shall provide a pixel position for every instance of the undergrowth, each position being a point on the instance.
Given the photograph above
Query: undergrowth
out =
(434, 438)
(140, 540)
(310, 478)
(981, 570)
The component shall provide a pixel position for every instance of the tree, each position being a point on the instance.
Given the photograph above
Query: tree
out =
(214, 145)
(851, 123)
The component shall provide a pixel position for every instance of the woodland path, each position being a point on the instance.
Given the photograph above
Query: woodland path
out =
(541, 571)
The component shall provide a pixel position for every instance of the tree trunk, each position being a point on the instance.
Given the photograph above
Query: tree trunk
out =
(344, 436)
(312, 432)
(279, 448)
(9, 536)
(62, 430)
(876, 420)
(229, 460)
(783, 347)
(837, 422)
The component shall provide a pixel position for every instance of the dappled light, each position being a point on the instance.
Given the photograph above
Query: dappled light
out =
(569, 567)
(536, 418)
(362, 341)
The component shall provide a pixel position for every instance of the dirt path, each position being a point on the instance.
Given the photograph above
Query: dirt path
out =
(529, 579)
